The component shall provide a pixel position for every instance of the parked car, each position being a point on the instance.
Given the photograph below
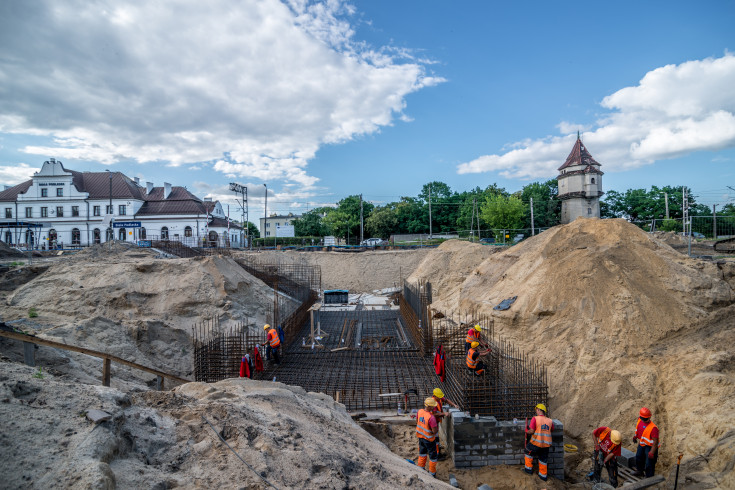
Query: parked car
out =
(518, 237)
(487, 241)
(373, 242)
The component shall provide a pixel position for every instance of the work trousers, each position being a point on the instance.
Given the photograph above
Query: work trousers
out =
(643, 463)
(612, 468)
(272, 351)
(427, 447)
(479, 370)
(542, 453)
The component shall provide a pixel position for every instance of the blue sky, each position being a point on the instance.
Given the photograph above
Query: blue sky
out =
(322, 100)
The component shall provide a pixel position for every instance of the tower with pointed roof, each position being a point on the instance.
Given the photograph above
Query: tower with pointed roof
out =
(580, 185)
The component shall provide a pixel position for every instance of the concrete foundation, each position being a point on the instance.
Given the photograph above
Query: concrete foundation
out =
(485, 441)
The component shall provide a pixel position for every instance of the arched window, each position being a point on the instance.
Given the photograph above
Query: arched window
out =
(52, 237)
(593, 180)
(30, 238)
(97, 235)
(187, 231)
(164, 233)
(589, 210)
(142, 234)
(213, 238)
(121, 234)
(76, 236)
(109, 235)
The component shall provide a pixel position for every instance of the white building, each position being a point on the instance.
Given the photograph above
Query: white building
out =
(60, 207)
(268, 226)
(580, 185)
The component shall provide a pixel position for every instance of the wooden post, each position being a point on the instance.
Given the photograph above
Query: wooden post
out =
(106, 372)
(159, 383)
(29, 354)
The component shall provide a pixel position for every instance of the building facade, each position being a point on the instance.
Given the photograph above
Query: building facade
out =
(580, 185)
(60, 208)
(270, 226)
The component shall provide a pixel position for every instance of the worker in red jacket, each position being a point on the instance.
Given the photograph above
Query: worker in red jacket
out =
(273, 342)
(426, 430)
(647, 454)
(473, 335)
(607, 449)
(538, 446)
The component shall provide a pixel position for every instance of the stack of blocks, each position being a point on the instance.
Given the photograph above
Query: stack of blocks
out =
(485, 441)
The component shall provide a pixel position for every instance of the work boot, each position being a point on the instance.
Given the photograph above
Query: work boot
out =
(530, 472)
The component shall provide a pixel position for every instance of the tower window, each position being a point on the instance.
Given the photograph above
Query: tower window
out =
(593, 180)
(589, 210)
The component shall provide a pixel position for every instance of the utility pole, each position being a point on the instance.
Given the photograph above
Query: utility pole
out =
(243, 191)
(477, 217)
(361, 237)
(714, 221)
(472, 220)
(265, 212)
(666, 199)
(430, 233)
(532, 227)
(684, 209)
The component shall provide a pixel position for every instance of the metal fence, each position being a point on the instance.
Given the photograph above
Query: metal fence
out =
(701, 227)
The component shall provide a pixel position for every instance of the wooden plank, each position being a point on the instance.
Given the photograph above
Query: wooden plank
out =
(646, 482)
(58, 345)
(106, 372)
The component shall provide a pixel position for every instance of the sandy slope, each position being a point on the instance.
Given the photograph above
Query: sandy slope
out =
(289, 437)
(621, 320)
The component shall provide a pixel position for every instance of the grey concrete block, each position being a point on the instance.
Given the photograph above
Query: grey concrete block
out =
(626, 458)
(453, 480)
(512, 461)
(484, 486)
(478, 464)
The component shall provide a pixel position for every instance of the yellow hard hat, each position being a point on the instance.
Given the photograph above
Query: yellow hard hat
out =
(474, 344)
(615, 437)
(430, 402)
(478, 328)
(541, 406)
(266, 327)
(438, 393)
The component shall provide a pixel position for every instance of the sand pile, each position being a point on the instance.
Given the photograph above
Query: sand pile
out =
(125, 301)
(291, 438)
(357, 272)
(597, 300)
(7, 252)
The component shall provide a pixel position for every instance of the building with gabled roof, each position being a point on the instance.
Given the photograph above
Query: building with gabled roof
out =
(61, 207)
(580, 185)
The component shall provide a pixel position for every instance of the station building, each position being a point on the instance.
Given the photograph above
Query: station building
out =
(62, 208)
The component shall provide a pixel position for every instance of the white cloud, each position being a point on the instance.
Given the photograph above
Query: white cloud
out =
(673, 111)
(16, 174)
(180, 82)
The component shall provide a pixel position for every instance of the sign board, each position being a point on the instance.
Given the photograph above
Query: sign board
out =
(285, 231)
(126, 224)
(144, 243)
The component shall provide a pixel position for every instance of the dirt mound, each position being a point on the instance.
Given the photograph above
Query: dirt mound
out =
(447, 267)
(357, 272)
(597, 301)
(7, 252)
(134, 306)
(290, 438)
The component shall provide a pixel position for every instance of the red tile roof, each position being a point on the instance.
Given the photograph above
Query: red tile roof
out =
(579, 156)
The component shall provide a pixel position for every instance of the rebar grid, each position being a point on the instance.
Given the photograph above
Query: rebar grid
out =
(218, 351)
(352, 329)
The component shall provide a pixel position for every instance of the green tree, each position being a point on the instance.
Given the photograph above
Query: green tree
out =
(382, 222)
(644, 205)
(503, 212)
(546, 207)
(310, 223)
(252, 230)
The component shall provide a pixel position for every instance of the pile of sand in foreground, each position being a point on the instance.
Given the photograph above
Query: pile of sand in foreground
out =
(599, 303)
(291, 438)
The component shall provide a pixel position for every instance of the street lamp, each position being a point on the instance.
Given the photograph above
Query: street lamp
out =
(111, 236)
(265, 213)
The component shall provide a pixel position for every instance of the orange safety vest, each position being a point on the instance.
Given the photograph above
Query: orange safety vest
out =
(542, 436)
(646, 436)
(423, 431)
(602, 437)
(273, 338)
(472, 336)
(438, 405)
(471, 363)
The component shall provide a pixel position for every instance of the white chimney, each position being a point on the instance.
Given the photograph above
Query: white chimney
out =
(148, 187)
(166, 190)
(137, 180)
(208, 199)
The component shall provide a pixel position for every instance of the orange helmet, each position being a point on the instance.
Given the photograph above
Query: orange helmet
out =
(645, 413)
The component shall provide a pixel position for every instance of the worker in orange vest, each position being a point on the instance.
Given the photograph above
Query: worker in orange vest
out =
(273, 344)
(647, 454)
(473, 358)
(538, 447)
(439, 414)
(607, 449)
(473, 335)
(426, 430)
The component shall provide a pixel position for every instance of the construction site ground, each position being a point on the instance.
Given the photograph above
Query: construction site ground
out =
(620, 318)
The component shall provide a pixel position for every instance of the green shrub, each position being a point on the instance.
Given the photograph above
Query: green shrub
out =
(32, 312)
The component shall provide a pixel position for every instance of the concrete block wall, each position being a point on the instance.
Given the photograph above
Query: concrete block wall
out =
(485, 441)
